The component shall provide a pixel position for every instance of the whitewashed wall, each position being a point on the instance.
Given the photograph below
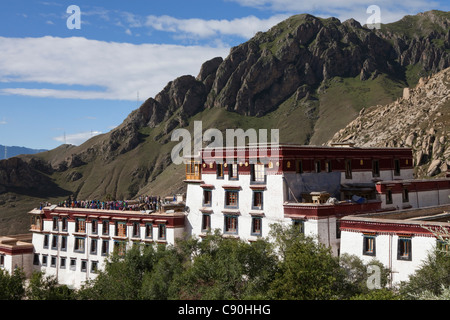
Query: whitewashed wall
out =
(386, 252)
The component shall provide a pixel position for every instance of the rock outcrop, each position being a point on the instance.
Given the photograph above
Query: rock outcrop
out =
(419, 120)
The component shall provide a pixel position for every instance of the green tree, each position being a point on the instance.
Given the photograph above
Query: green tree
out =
(43, 287)
(357, 275)
(157, 283)
(307, 269)
(221, 268)
(141, 273)
(428, 295)
(378, 294)
(12, 286)
(430, 278)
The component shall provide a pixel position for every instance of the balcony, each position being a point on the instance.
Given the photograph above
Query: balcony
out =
(36, 222)
(193, 171)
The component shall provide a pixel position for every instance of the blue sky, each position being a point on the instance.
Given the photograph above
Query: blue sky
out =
(58, 82)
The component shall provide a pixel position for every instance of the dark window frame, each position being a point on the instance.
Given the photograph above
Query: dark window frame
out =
(369, 245)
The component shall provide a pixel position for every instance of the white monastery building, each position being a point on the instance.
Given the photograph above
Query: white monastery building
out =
(74, 243)
(362, 201)
(401, 240)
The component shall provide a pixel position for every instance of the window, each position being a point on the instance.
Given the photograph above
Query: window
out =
(44, 260)
(299, 166)
(299, 224)
(36, 259)
(389, 196)
(62, 263)
(396, 167)
(348, 169)
(79, 244)
(256, 226)
(231, 199)
(46, 240)
(338, 229)
(219, 171)
(257, 202)
(83, 265)
(375, 168)
(404, 249)
(206, 223)
(36, 223)
(149, 231)
(207, 198)
(105, 227)
(369, 245)
(233, 171)
(121, 229)
(80, 225)
(317, 166)
(73, 264)
(53, 261)
(120, 247)
(105, 247)
(328, 167)
(94, 226)
(2, 260)
(94, 266)
(93, 246)
(64, 224)
(162, 232)
(54, 242)
(55, 223)
(136, 229)
(231, 224)
(258, 174)
(63, 243)
(405, 195)
(193, 170)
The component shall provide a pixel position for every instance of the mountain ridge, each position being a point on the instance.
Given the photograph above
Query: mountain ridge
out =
(286, 78)
(13, 151)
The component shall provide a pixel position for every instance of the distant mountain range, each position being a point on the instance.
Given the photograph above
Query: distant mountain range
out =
(13, 151)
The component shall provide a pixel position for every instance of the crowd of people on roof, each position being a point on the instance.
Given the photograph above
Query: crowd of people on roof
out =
(151, 203)
(101, 205)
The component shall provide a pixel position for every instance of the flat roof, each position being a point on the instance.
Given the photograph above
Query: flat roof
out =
(302, 146)
(435, 215)
(87, 211)
(403, 181)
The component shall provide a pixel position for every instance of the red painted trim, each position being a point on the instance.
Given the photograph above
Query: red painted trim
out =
(392, 227)
(112, 216)
(16, 251)
(308, 154)
(323, 211)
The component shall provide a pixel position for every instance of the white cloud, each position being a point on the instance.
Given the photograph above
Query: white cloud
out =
(3, 122)
(120, 70)
(390, 10)
(243, 27)
(77, 138)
